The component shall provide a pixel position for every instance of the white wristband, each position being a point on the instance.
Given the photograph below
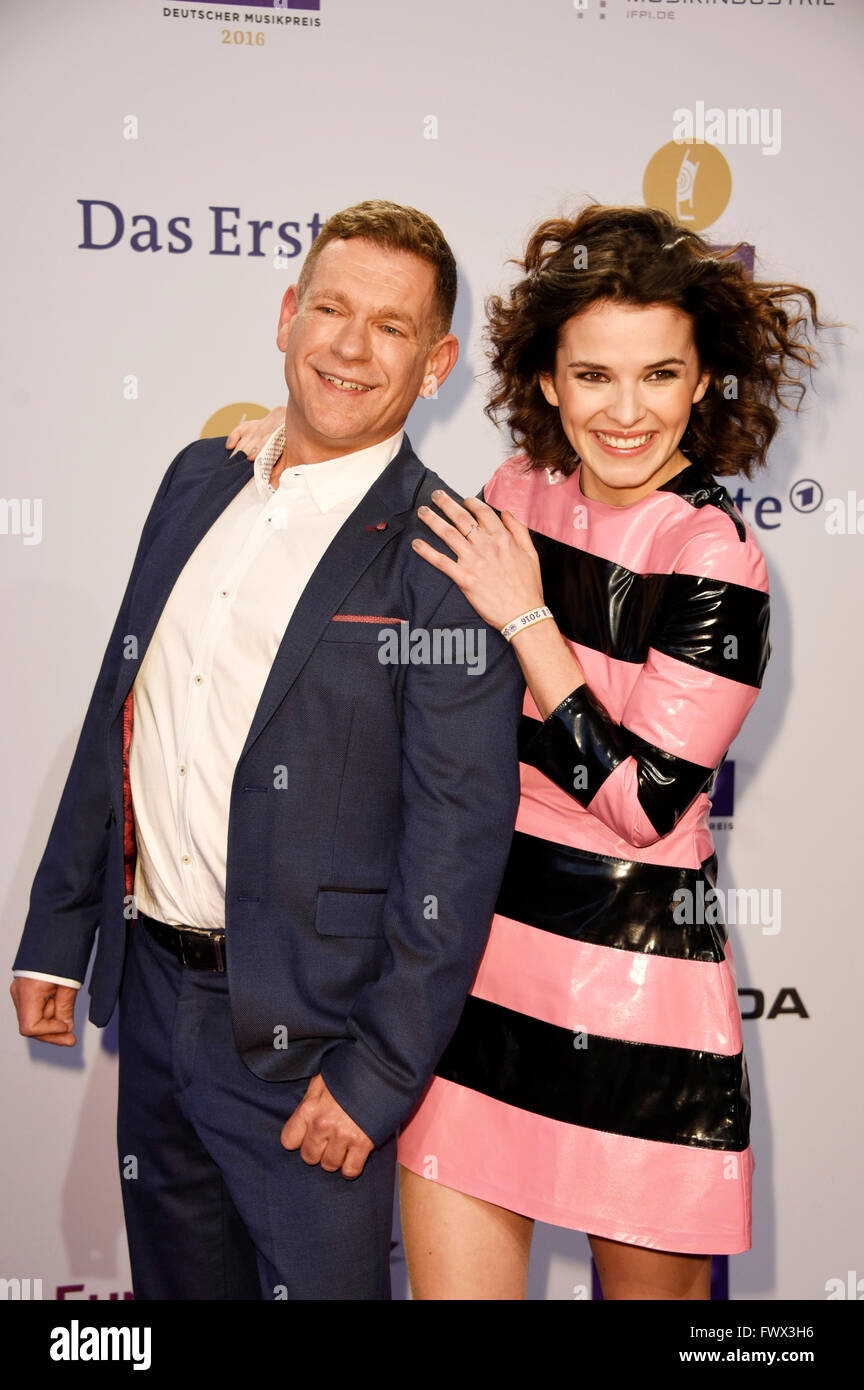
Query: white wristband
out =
(536, 615)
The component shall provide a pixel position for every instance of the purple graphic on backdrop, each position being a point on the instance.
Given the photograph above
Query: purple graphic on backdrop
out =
(723, 795)
(283, 4)
(745, 253)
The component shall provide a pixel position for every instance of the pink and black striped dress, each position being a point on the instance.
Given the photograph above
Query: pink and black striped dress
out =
(596, 1079)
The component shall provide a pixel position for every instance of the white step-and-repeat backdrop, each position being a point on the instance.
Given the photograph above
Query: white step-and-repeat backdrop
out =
(166, 168)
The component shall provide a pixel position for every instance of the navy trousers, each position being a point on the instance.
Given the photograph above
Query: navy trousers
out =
(215, 1208)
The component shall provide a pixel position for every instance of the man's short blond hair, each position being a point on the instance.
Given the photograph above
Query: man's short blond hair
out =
(397, 228)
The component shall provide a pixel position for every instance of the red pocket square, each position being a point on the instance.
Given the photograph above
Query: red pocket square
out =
(364, 618)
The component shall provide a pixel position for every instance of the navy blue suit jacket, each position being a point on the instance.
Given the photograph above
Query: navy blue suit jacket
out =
(358, 897)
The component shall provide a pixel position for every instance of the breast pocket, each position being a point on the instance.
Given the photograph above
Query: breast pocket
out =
(350, 912)
(373, 628)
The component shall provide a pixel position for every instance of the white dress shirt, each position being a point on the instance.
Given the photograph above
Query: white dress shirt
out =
(199, 684)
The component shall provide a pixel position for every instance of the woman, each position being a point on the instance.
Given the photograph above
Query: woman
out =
(596, 1079)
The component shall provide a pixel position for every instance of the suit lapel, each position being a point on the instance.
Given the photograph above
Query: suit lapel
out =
(352, 550)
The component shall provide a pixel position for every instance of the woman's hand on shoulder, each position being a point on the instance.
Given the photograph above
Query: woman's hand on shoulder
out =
(250, 436)
(496, 565)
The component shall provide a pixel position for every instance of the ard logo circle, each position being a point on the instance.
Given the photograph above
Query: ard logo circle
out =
(806, 496)
(223, 420)
(691, 180)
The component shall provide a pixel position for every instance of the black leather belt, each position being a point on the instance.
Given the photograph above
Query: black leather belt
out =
(197, 950)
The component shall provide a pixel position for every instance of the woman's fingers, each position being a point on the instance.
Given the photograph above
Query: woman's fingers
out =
(250, 436)
(463, 520)
(440, 562)
(452, 535)
(465, 514)
(486, 515)
(242, 440)
(519, 531)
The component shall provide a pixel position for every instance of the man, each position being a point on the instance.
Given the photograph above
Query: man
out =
(308, 839)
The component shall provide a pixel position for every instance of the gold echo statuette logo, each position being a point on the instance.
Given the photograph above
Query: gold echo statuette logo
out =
(223, 420)
(689, 179)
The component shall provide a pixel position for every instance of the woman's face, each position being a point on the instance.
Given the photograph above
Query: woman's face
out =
(625, 379)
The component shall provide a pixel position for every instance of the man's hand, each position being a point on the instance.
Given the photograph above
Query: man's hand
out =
(45, 1010)
(325, 1134)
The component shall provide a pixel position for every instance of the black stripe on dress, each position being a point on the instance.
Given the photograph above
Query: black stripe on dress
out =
(598, 603)
(672, 1095)
(718, 626)
(618, 903)
(666, 785)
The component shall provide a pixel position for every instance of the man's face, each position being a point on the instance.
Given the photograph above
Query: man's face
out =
(358, 347)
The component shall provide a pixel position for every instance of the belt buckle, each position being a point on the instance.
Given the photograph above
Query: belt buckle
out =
(181, 937)
(217, 939)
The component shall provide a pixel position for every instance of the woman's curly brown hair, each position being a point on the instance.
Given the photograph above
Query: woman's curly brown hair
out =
(753, 332)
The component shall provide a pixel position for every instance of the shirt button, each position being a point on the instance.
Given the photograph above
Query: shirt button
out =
(198, 680)
(186, 858)
(224, 592)
(182, 769)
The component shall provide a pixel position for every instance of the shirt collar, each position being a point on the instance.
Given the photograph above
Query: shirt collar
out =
(333, 480)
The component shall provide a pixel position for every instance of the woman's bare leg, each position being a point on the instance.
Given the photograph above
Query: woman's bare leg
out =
(631, 1272)
(459, 1247)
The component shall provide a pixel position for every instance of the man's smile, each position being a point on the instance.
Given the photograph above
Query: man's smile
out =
(343, 383)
